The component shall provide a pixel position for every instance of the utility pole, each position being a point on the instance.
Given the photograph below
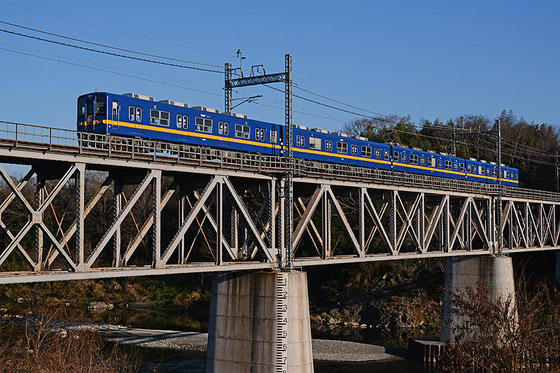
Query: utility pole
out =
(228, 90)
(285, 253)
(499, 199)
(556, 175)
(454, 138)
(290, 138)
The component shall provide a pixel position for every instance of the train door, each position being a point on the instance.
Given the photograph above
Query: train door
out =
(115, 111)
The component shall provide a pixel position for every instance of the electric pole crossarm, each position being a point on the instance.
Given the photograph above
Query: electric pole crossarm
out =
(255, 80)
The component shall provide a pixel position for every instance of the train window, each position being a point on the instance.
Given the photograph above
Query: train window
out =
(469, 168)
(395, 156)
(462, 167)
(273, 137)
(160, 118)
(226, 128)
(262, 134)
(494, 172)
(403, 157)
(185, 122)
(480, 170)
(203, 125)
(242, 131)
(386, 155)
(448, 165)
(328, 145)
(258, 134)
(163, 117)
(300, 141)
(100, 106)
(115, 108)
(131, 113)
(440, 163)
(423, 160)
(487, 171)
(342, 147)
(139, 115)
(82, 109)
(432, 161)
(455, 165)
(315, 143)
(366, 152)
(414, 159)
(506, 174)
(354, 149)
(179, 121)
(377, 152)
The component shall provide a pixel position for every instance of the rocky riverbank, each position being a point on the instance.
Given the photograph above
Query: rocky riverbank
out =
(323, 349)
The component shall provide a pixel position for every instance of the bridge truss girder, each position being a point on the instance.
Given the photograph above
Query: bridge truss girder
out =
(227, 220)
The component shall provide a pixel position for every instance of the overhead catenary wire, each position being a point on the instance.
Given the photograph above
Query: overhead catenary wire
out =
(97, 26)
(490, 147)
(107, 45)
(59, 60)
(142, 59)
(336, 101)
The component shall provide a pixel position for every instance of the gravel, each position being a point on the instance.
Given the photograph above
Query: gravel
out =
(323, 349)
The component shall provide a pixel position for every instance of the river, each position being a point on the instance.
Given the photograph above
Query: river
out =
(168, 361)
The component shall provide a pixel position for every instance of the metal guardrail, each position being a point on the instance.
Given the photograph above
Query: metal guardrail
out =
(40, 138)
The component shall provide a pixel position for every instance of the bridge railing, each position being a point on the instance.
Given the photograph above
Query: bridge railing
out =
(41, 138)
(38, 136)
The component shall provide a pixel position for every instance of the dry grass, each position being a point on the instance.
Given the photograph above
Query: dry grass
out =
(43, 341)
(505, 337)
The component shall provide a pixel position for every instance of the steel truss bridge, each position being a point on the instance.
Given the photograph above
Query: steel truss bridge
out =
(157, 208)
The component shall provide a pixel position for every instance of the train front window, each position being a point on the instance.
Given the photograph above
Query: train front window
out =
(89, 107)
(81, 109)
(100, 105)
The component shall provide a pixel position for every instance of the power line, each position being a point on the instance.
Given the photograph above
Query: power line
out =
(489, 149)
(337, 101)
(110, 53)
(107, 46)
(108, 71)
(98, 26)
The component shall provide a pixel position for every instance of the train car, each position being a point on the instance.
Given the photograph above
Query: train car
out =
(336, 147)
(427, 163)
(510, 176)
(143, 117)
(138, 116)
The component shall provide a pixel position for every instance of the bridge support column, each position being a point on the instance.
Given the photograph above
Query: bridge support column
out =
(249, 315)
(461, 273)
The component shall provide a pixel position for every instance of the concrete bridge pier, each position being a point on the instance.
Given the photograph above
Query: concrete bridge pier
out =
(496, 272)
(259, 322)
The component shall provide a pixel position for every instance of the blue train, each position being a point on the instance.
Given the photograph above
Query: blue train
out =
(141, 116)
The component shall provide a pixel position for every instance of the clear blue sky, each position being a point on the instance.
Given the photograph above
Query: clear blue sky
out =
(428, 59)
